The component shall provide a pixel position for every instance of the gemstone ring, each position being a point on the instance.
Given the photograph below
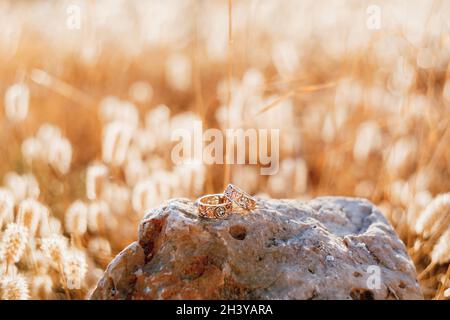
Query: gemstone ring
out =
(214, 206)
(239, 197)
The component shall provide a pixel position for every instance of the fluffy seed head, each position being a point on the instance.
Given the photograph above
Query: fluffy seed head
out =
(116, 141)
(13, 243)
(291, 178)
(190, 178)
(368, 140)
(117, 196)
(6, 206)
(178, 72)
(98, 214)
(16, 102)
(54, 247)
(76, 218)
(285, 57)
(113, 109)
(441, 251)
(95, 177)
(14, 288)
(22, 186)
(401, 157)
(48, 133)
(145, 195)
(447, 293)
(135, 170)
(40, 262)
(32, 150)
(157, 120)
(30, 213)
(75, 268)
(141, 91)
(60, 155)
(49, 225)
(433, 213)
(145, 142)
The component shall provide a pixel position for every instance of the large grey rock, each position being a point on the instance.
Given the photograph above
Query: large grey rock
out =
(327, 248)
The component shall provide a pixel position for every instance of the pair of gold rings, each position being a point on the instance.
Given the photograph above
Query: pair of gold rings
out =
(220, 205)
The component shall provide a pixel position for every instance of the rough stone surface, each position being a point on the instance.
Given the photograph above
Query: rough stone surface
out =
(285, 249)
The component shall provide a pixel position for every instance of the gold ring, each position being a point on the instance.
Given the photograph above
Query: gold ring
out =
(214, 206)
(241, 198)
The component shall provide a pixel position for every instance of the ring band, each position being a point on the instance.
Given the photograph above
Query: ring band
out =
(241, 198)
(214, 206)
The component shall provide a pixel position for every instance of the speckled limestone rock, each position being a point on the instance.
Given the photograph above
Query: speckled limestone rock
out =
(327, 248)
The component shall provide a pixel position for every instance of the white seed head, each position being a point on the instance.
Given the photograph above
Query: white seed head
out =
(98, 216)
(285, 57)
(141, 91)
(400, 159)
(368, 140)
(135, 170)
(48, 133)
(178, 72)
(144, 195)
(157, 117)
(253, 81)
(60, 155)
(6, 206)
(118, 197)
(422, 198)
(403, 76)
(44, 226)
(189, 178)
(113, 109)
(32, 150)
(49, 225)
(400, 192)
(75, 268)
(14, 288)
(434, 212)
(328, 131)
(13, 243)
(447, 293)
(40, 261)
(116, 141)
(441, 251)
(22, 186)
(54, 247)
(223, 88)
(145, 141)
(96, 176)
(291, 179)
(16, 102)
(76, 218)
(30, 213)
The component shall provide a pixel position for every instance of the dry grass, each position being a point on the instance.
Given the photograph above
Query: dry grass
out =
(362, 113)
